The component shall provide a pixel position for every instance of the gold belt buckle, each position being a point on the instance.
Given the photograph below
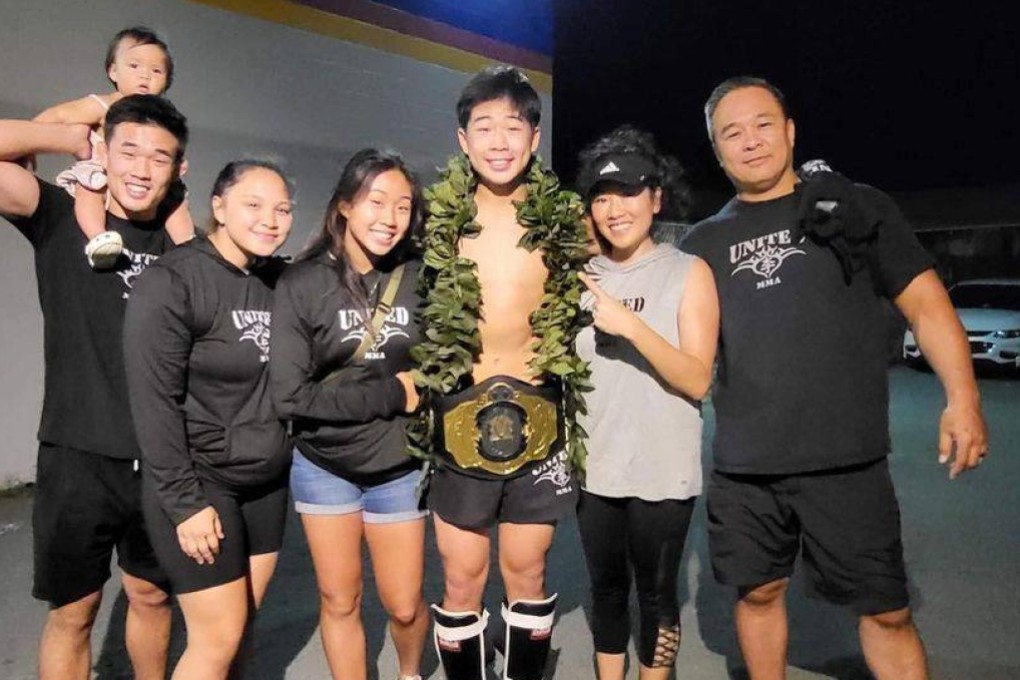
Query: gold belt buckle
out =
(500, 430)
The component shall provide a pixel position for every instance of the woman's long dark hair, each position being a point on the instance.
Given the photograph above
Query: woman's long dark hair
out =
(356, 180)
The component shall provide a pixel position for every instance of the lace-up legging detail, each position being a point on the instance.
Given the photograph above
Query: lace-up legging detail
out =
(622, 535)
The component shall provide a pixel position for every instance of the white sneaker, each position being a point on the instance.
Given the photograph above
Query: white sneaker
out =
(103, 249)
(89, 174)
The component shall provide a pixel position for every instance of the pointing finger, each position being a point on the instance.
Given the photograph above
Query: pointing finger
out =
(595, 289)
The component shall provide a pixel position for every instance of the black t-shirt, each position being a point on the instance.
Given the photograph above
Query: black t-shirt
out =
(85, 403)
(353, 423)
(802, 381)
(196, 343)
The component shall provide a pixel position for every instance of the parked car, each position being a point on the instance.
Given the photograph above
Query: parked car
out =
(990, 312)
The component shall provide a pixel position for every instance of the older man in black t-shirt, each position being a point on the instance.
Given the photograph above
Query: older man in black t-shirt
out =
(802, 394)
(87, 499)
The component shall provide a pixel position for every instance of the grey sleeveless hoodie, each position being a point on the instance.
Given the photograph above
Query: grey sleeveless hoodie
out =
(644, 438)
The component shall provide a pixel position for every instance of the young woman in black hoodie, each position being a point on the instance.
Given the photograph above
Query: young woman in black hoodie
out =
(344, 383)
(215, 456)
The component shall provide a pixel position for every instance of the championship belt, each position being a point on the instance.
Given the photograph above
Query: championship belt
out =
(496, 428)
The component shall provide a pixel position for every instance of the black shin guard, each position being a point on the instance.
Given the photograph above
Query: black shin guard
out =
(460, 643)
(528, 636)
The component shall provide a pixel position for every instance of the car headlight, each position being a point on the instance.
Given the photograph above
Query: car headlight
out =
(1013, 333)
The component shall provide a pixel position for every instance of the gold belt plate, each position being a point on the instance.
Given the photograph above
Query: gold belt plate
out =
(512, 414)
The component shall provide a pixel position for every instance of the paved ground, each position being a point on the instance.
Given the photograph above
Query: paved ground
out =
(960, 540)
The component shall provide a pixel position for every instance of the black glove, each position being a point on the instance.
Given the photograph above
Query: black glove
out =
(832, 214)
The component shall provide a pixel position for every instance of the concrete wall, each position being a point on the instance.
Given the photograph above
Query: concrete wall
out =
(247, 86)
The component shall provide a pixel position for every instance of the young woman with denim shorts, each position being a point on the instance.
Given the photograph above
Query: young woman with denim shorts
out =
(351, 477)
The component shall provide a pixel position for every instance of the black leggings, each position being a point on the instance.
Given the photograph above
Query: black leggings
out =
(623, 533)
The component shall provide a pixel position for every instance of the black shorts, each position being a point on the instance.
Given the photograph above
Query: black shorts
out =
(847, 519)
(85, 506)
(542, 495)
(252, 523)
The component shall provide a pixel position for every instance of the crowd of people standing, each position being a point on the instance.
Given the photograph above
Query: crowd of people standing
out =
(494, 351)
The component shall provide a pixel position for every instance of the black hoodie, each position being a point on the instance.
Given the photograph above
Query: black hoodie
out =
(352, 424)
(196, 346)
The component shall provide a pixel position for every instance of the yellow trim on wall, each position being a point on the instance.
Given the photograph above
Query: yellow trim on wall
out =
(352, 30)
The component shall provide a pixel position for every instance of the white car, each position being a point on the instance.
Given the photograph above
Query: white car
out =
(990, 312)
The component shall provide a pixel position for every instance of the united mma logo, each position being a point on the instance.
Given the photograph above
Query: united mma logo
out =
(254, 326)
(764, 256)
(556, 472)
(394, 326)
(139, 262)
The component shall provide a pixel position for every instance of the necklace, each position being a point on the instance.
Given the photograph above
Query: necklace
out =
(448, 283)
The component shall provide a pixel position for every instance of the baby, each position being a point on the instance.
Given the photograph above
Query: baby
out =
(138, 61)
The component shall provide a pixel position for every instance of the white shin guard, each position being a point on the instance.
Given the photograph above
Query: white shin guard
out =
(528, 636)
(460, 642)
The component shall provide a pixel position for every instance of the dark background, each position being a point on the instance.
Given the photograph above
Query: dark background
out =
(906, 96)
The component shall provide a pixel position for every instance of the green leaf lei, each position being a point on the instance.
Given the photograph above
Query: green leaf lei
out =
(449, 286)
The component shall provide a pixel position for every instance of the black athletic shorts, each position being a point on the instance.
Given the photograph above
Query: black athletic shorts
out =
(542, 495)
(847, 520)
(85, 506)
(252, 523)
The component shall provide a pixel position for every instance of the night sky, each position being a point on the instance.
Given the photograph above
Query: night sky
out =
(904, 95)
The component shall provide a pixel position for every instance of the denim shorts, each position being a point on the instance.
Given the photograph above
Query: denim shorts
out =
(320, 492)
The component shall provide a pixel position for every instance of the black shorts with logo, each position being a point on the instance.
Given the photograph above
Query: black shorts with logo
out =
(85, 506)
(847, 520)
(542, 495)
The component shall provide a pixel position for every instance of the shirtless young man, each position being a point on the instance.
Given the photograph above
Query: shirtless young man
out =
(498, 432)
